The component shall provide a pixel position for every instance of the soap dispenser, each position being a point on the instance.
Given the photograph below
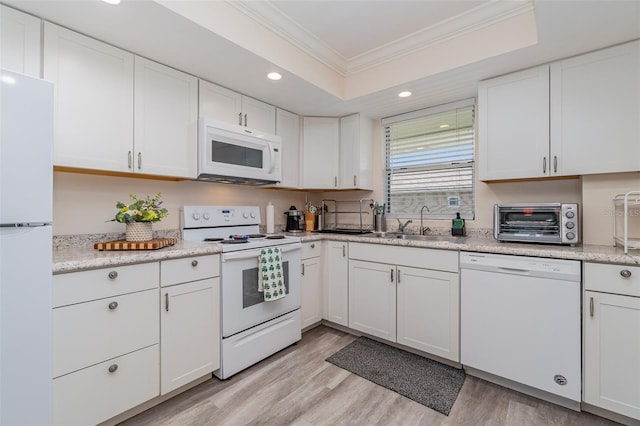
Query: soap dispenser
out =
(457, 226)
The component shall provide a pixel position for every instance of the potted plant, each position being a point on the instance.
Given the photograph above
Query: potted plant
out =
(140, 215)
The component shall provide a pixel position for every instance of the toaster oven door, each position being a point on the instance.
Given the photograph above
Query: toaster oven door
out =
(541, 223)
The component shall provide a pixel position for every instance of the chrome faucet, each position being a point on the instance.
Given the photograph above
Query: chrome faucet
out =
(401, 226)
(423, 230)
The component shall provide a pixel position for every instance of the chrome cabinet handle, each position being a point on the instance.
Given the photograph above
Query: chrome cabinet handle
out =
(240, 118)
(139, 160)
(591, 307)
(113, 368)
(166, 302)
(245, 120)
(344, 251)
(129, 158)
(555, 164)
(625, 273)
(113, 305)
(113, 275)
(354, 180)
(398, 281)
(392, 275)
(313, 245)
(335, 181)
(544, 165)
(302, 269)
(194, 263)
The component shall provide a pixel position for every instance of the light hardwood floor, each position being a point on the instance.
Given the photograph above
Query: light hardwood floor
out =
(298, 387)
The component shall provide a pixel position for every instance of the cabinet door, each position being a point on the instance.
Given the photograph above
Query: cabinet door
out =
(356, 153)
(372, 298)
(428, 311)
(258, 115)
(288, 128)
(19, 42)
(513, 125)
(219, 103)
(93, 101)
(337, 297)
(320, 150)
(166, 111)
(595, 112)
(311, 292)
(611, 352)
(190, 332)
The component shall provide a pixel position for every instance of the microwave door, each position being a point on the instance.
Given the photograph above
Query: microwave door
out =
(230, 154)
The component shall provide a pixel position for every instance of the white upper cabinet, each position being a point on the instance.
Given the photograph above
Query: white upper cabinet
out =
(513, 125)
(102, 91)
(231, 107)
(595, 112)
(93, 101)
(19, 42)
(166, 115)
(288, 128)
(320, 152)
(356, 154)
(576, 116)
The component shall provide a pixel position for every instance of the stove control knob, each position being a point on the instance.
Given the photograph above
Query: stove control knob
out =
(206, 216)
(570, 225)
(253, 215)
(570, 235)
(196, 215)
(245, 215)
(570, 214)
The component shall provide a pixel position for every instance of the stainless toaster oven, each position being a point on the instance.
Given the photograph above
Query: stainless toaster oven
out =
(552, 223)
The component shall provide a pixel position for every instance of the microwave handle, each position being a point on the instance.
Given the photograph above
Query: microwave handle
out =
(272, 164)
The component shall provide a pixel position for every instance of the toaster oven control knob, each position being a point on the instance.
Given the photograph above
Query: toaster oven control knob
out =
(196, 215)
(570, 235)
(570, 225)
(570, 215)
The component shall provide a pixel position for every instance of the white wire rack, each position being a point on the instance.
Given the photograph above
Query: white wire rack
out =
(629, 203)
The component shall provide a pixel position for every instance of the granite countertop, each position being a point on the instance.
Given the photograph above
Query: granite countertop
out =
(78, 258)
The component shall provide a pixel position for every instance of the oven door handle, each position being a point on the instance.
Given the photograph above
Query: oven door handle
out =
(250, 254)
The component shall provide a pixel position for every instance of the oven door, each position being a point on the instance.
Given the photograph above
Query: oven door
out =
(243, 306)
(535, 223)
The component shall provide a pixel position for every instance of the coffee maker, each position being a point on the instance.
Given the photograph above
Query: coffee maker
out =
(295, 220)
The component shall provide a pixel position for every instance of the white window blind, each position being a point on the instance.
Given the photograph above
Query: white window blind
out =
(430, 160)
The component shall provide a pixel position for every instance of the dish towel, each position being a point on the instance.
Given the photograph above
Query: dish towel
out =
(271, 277)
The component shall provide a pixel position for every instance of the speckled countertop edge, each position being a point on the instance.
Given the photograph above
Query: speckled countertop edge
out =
(76, 258)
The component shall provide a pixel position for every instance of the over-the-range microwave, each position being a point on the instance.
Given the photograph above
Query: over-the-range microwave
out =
(237, 154)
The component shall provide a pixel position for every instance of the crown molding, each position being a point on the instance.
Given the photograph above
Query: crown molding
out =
(484, 15)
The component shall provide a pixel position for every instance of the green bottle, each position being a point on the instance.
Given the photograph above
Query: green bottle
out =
(457, 226)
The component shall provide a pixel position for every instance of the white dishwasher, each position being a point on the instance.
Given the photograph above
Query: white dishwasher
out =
(520, 324)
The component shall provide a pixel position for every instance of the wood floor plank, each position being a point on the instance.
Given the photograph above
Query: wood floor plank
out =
(298, 387)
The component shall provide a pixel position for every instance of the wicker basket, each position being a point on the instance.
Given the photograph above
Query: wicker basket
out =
(139, 231)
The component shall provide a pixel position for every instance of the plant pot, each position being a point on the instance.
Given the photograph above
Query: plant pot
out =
(139, 231)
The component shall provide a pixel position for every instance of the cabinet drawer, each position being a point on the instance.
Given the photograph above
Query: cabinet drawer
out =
(440, 260)
(95, 394)
(189, 269)
(310, 250)
(91, 332)
(618, 279)
(83, 286)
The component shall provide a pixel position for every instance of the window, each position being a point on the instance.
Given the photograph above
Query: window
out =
(430, 160)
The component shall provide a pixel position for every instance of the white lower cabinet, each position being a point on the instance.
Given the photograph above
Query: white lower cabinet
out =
(391, 298)
(189, 320)
(337, 279)
(311, 284)
(612, 338)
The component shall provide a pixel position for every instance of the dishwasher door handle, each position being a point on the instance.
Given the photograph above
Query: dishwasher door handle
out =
(517, 270)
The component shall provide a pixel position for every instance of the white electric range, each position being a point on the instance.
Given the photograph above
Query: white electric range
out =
(251, 328)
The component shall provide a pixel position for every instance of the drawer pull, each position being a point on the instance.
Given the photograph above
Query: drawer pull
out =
(302, 268)
(113, 275)
(194, 263)
(625, 273)
(166, 302)
(113, 368)
(313, 245)
(113, 305)
(591, 307)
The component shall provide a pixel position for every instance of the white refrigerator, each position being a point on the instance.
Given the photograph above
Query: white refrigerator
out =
(26, 211)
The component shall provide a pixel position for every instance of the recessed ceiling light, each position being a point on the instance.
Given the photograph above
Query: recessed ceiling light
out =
(274, 76)
(404, 94)
(112, 1)
(444, 126)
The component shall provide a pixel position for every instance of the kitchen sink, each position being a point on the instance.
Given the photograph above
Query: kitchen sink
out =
(416, 237)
